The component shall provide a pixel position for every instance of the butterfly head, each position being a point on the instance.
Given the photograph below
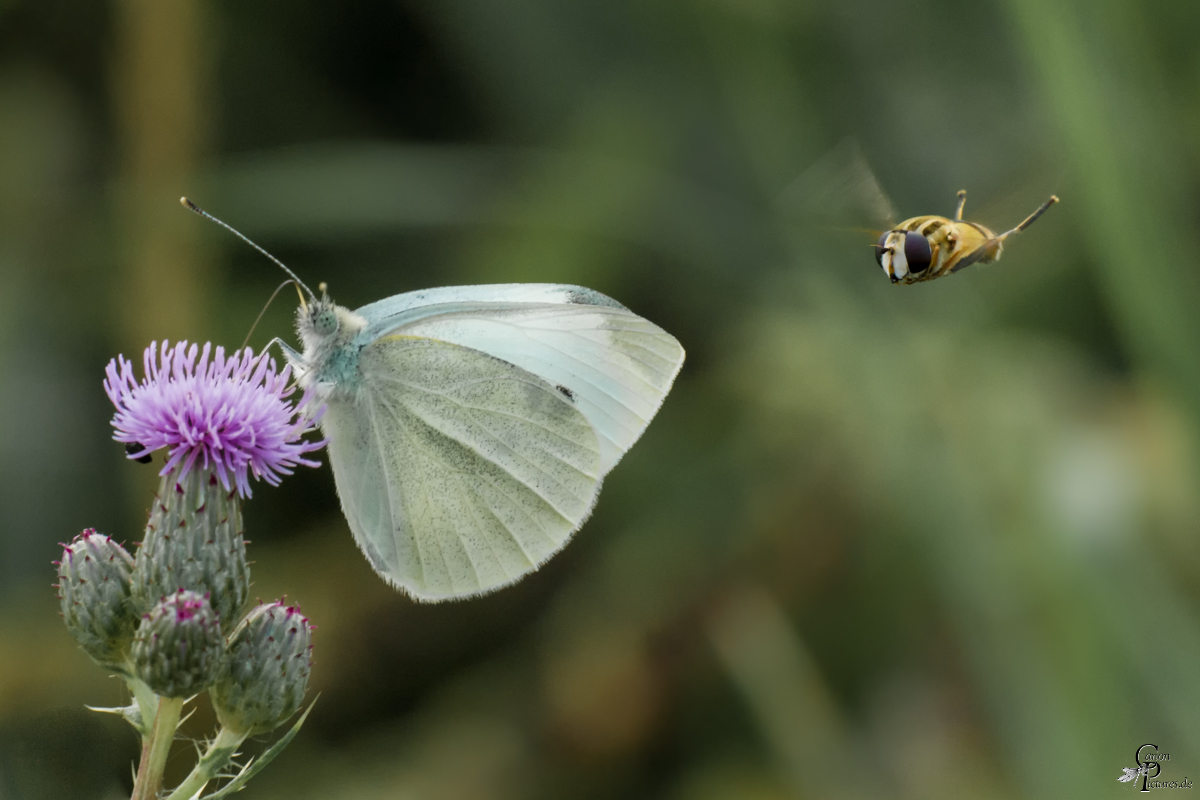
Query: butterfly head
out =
(324, 327)
(323, 320)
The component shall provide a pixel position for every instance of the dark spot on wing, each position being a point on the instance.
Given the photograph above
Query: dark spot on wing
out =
(133, 448)
(567, 393)
(577, 295)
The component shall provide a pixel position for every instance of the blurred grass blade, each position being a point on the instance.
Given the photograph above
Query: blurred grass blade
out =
(1134, 208)
(786, 694)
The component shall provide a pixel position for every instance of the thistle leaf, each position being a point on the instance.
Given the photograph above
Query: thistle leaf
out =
(252, 767)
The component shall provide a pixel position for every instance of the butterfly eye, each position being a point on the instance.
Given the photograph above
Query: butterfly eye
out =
(325, 322)
(917, 252)
(880, 247)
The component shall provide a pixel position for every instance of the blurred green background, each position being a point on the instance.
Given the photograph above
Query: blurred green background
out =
(881, 541)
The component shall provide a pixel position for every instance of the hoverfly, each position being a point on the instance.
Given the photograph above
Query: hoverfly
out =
(841, 187)
(924, 248)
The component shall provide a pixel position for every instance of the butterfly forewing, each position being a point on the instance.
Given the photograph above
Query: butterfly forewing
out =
(402, 309)
(487, 469)
(615, 366)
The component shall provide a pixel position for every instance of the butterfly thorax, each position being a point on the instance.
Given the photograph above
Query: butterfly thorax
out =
(330, 357)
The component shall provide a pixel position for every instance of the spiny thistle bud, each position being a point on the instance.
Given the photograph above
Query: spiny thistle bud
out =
(194, 541)
(93, 584)
(266, 669)
(178, 648)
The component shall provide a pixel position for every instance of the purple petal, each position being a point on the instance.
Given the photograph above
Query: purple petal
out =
(229, 413)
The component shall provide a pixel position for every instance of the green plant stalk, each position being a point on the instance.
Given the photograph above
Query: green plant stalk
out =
(147, 703)
(218, 755)
(252, 768)
(154, 751)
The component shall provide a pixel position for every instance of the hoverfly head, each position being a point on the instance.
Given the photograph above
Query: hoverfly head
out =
(903, 253)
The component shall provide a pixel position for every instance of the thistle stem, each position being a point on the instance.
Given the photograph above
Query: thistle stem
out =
(218, 755)
(155, 749)
(147, 704)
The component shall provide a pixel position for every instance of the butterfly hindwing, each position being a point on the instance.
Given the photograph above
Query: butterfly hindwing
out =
(459, 472)
(355, 457)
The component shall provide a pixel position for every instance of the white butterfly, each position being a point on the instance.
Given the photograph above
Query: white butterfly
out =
(470, 427)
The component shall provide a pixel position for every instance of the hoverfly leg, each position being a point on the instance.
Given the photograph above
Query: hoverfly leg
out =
(1031, 218)
(962, 201)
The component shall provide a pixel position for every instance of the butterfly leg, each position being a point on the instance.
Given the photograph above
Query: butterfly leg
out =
(294, 358)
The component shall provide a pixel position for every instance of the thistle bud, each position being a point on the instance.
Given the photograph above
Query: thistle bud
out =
(266, 669)
(93, 584)
(178, 648)
(194, 541)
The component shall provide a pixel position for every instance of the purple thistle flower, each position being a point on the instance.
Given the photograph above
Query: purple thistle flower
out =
(230, 414)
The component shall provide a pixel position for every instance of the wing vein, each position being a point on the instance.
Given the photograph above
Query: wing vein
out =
(479, 523)
(474, 569)
(533, 465)
(536, 522)
(419, 541)
(500, 466)
(422, 418)
(461, 404)
(387, 483)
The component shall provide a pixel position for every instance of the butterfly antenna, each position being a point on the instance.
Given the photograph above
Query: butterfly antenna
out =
(270, 299)
(190, 206)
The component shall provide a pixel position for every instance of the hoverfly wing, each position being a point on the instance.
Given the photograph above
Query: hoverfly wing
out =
(838, 192)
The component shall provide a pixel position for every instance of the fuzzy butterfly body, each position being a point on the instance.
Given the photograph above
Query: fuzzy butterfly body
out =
(470, 427)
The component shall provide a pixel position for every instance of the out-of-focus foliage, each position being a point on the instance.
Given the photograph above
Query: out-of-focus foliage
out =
(881, 541)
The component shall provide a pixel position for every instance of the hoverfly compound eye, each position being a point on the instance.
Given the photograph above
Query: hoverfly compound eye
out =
(917, 252)
(880, 246)
(325, 322)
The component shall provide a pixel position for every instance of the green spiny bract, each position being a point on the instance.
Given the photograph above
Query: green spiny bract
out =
(178, 648)
(93, 584)
(194, 541)
(266, 669)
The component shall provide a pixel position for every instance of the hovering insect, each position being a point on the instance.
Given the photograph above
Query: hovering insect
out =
(839, 192)
(924, 248)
